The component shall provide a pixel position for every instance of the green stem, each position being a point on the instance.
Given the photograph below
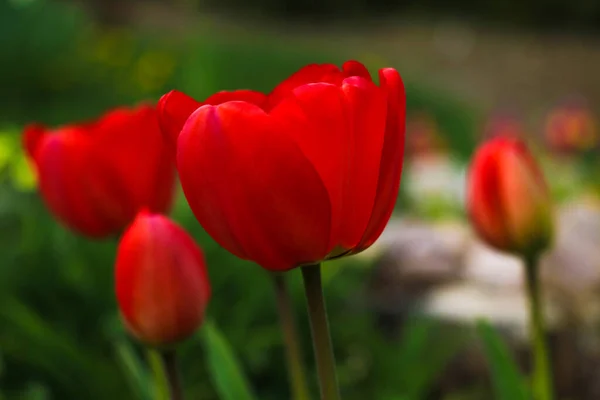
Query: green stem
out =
(161, 385)
(169, 360)
(542, 376)
(319, 326)
(290, 336)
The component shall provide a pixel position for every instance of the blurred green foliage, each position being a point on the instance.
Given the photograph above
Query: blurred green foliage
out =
(60, 335)
(507, 380)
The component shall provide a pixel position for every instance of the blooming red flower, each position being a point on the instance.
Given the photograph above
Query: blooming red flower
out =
(162, 285)
(508, 199)
(96, 176)
(312, 174)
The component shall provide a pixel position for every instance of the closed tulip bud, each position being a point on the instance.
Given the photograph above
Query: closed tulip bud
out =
(310, 174)
(95, 177)
(508, 199)
(162, 285)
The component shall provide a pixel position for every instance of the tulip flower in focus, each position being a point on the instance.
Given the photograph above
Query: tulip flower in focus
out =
(508, 199)
(310, 174)
(95, 176)
(162, 285)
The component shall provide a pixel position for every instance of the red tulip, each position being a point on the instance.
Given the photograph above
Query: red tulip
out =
(162, 285)
(508, 199)
(96, 176)
(571, 128)
(314, 175)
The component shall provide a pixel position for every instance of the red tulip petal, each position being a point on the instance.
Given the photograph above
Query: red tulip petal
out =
(366, 110)
(141, 172)
(485, 207)
(60, 162)
(311, 73)
(390, 170)
(252, 188)
(107, 191)
(249, 96)
(355, 68)
(315, 116)
(174, 108)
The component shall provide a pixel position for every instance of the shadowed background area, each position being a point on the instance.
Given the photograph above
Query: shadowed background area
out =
(402, 312)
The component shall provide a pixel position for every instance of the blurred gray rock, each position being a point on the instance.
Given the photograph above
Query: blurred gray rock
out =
(444, 271)
(412, 259)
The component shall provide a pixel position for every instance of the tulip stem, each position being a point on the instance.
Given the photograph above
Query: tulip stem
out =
(321, 337)
(542, 375)
(169, 360)
(161, 385)
(292, 344)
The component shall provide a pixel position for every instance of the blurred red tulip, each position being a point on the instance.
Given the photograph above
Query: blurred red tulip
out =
(571, 128)
(311, 176)
(423, 136)
(162, 285)
(508, 199)
(96, 176)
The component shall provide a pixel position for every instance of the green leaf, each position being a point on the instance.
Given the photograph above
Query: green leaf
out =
(506, 379)
(226, 372)
(42, 338)
(134, 370)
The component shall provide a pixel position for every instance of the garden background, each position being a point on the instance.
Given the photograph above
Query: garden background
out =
(472, 69)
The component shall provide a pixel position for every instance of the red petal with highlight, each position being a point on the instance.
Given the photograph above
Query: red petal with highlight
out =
(252, 188)
(355, 68)
(315, 117)
(485, 204)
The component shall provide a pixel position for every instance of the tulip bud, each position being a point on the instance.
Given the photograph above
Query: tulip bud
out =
(508, 199)
(162, 285)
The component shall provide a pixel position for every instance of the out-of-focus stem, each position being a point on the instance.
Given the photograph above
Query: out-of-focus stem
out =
(172, 374)
(295, 364)
(542, 375)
